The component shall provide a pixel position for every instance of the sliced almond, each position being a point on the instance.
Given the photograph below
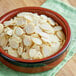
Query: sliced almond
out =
(13, 43)
(37, 47)
(46, 39)
(1, 28)
(39, 31)
(29, 29)
(43, 17)
(19, 31)
(3, 40)
(60, 35)
(5, 48)
(50, 31)
(12, 52)
(46, 26)
(51, 21)
(26, 15)
(8, 31)
(50, 39)
(32, 52)
(46, 50)
(18, 39)
(20, 50)
(55, 46)
(22, 14)
(36, 41)
(27, 40)
(35, 35)
(25, 55)
(61, 44)
(19, 21)
(9, 23)
(38, 55)
(57, 28)
(53, 38)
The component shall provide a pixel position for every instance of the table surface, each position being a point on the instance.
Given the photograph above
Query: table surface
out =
(6, 5)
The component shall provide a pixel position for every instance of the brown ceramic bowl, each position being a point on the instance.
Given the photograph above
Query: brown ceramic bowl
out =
(34, 66)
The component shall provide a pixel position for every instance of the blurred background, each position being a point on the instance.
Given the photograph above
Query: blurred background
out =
(7, 5)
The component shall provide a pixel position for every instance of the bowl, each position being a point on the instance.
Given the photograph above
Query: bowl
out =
(44, 64)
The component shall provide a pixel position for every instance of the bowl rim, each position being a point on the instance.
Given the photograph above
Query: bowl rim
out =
(68, 39)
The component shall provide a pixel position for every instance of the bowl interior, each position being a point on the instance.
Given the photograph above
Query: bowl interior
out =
(55, 16)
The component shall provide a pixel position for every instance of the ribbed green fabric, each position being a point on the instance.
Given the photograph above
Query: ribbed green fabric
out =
(69, 13)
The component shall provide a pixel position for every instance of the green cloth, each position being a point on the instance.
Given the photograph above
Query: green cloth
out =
(69, 13)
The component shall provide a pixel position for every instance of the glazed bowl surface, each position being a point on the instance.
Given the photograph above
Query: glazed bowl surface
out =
(34, 66)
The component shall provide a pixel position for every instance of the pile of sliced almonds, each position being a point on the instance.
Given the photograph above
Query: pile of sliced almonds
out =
(31, 36)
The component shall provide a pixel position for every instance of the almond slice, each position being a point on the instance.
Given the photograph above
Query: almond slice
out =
(52, 38)
(12, 52)
(51, 21)
(36, 41)
(57, 28)
(27, 40)
(20, 50)
(1, 28)
(46, 26)
(22, 14)
(43, 17)
(39, 31)
(8, 23)
(25, 55)
(3, 40)
(60, 35)
(32, 52)
(37, 47)
(29, 28)
(8, 31)
(17, 38)
(46, 39)
(35, 35)
(13, 43)
(46, 50)
(19, 21)
(19, 31)
(28, 17)
(38, 55)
